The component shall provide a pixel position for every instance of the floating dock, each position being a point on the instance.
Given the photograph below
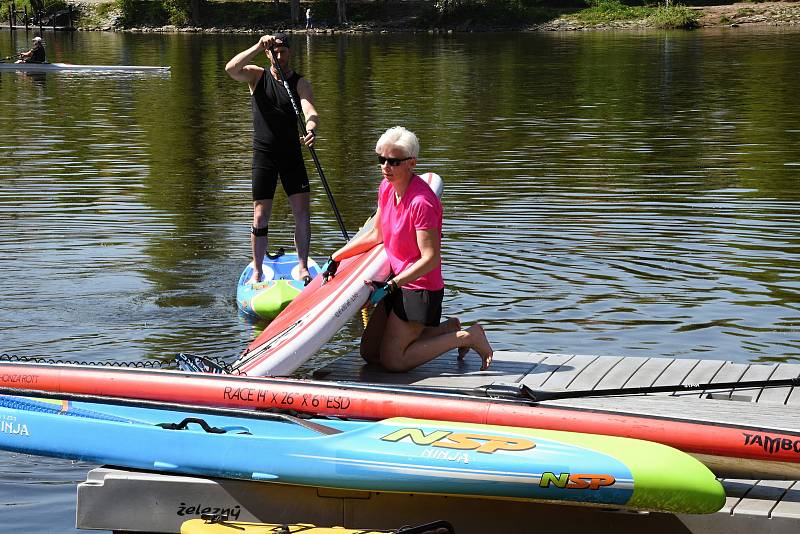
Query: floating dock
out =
(118, 500)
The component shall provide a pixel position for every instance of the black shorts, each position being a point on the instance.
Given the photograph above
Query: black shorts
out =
(416, 305)
(267, 166)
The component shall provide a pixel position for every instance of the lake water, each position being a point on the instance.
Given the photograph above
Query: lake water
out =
(605, 193)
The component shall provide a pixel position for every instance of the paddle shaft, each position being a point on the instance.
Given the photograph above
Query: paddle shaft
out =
(524, 394)
(521, 392)
(745, 384)
(310, 148)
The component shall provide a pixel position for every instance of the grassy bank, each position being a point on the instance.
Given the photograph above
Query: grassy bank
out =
(416, 15)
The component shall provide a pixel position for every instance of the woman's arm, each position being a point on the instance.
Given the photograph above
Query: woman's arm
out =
(429, 244)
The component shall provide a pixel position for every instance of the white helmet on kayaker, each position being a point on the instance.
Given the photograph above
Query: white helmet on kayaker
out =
(37, 40)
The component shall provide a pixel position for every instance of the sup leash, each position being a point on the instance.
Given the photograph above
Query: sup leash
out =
(181, 361)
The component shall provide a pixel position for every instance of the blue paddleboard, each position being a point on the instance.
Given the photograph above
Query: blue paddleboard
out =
(280, 285)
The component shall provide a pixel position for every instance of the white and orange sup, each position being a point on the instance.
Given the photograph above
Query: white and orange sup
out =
(319, 311)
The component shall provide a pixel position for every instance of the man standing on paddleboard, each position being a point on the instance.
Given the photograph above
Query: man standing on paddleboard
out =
(277, 144)
(405, 331)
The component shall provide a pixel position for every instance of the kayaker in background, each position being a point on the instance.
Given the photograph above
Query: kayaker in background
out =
(36, 54)
(277, 145)
(404, 330)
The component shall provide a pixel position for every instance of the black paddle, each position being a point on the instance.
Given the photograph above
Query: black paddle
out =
(311, 148)
(521, 392)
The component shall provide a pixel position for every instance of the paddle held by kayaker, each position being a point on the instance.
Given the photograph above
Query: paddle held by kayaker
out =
(404, 330)
(277, 144)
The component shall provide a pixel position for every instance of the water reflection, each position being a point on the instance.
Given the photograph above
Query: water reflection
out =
(623, 194)
(605, 194)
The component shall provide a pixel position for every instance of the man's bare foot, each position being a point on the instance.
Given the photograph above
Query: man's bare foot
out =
(255, 278)
(481, 345)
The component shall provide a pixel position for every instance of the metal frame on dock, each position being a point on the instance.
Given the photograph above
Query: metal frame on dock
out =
(120, 500)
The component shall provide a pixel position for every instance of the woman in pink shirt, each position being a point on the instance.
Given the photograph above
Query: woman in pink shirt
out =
(405, 330)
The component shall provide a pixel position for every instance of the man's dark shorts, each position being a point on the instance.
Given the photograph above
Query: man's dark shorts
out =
(416, 305)
(267, 166)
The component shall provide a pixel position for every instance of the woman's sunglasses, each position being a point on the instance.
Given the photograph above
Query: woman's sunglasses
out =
(394, 162)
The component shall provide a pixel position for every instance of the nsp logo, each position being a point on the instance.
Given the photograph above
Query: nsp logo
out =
(590, 481)
(466, 441)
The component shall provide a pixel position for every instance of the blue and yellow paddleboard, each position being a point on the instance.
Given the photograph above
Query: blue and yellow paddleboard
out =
(280, 285)
(394, 455)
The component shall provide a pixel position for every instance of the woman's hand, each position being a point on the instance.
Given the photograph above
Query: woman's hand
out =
(380, 289)
(329, 269)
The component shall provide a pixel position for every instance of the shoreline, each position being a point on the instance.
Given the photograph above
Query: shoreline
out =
(740, 14)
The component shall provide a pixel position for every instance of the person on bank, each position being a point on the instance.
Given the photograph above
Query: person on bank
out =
(36, 54)
(277, 150)
(309, 23)
(404, 330)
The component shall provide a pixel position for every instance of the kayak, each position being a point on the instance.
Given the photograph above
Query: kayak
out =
(280, 285)
(320, 310)
(402, 455)
(47, 67)
(213, 526)
(730, 449)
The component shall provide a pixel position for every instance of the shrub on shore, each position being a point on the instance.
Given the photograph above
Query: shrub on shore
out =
(606, 11)
(669, 16)
(674, 17)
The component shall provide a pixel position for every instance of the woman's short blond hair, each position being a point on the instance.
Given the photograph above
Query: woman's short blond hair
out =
(401, 138)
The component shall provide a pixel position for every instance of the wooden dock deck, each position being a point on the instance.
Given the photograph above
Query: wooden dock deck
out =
(771, 506)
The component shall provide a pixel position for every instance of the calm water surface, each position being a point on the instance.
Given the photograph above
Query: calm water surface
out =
(618, 194)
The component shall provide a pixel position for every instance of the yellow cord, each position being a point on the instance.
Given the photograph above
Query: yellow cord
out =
(364, 316)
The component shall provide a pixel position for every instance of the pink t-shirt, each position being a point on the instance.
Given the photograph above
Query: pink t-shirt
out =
(419, 209)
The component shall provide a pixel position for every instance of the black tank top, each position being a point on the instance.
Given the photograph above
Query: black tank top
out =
(274, 120)
(38, 55)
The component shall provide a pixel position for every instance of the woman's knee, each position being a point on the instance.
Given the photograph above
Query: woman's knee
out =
(393, 362)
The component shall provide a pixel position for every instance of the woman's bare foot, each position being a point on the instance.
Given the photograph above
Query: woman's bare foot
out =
(453, 324)
(255, 278)
(481, 345)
